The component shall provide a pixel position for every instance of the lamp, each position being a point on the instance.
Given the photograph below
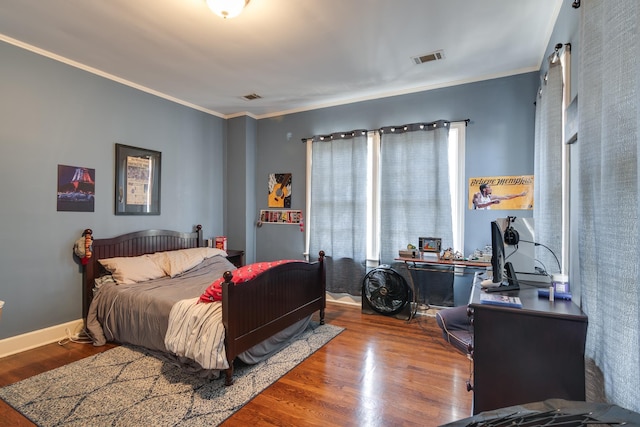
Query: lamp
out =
(227, 8)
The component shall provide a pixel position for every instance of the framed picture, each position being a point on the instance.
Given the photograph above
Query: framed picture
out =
(430, 244)
(137, 181)
(76, 189)
(279, 190)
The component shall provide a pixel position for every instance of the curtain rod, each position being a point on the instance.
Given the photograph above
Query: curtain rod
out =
(555, 55)
(352, 133)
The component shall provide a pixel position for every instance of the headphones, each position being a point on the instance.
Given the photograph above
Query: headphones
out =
(511, 236)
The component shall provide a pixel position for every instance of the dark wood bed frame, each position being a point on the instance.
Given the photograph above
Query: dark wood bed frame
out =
(252, 312)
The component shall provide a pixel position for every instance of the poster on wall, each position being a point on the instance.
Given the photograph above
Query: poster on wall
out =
(76, 189)
(501, 192)
(279, 190)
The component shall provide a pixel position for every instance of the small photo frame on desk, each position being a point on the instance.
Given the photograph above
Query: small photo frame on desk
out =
(430, 244)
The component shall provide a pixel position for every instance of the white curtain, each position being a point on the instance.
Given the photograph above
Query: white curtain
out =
(338, 208)
(547, 212)
(608, 186)
(415, 195)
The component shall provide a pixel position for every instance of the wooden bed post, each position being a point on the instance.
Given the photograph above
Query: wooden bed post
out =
(200, 239)
(88, 271)
(324, 285)
(228, 326)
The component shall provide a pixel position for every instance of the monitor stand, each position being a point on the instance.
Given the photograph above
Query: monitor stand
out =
(512, 281)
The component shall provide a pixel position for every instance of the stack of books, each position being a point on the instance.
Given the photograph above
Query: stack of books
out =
(557, 295)
(497, 299)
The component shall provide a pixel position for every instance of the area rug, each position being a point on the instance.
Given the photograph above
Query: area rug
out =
(128, 386)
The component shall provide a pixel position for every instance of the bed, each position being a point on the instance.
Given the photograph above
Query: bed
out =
(273, 303)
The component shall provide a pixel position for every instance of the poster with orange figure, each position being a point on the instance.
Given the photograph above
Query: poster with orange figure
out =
(501, 192)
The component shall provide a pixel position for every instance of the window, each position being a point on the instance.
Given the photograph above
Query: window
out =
(405, 196)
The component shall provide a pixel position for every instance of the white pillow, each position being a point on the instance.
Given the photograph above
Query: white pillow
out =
(176, 262)
(129, 270)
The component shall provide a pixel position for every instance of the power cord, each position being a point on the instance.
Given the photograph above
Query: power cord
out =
(81, 337)
(514, 251)
(547, 248)
(543, 269)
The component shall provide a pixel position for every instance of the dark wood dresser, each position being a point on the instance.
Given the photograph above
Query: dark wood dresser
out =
(527, 354)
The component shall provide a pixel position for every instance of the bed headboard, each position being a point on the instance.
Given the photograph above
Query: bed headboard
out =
(132, 244)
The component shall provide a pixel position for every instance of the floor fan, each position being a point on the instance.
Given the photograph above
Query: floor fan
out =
(386, 292)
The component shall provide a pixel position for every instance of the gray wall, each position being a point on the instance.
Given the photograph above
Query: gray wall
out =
(55, 114)
(499, 139)
(240, 207)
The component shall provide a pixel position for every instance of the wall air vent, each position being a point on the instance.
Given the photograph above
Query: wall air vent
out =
(433, 56)
(251, 97)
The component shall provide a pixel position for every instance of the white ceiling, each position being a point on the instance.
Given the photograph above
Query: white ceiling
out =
(296, 54)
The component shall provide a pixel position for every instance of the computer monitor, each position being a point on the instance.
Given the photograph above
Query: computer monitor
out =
(503, 271)
(497, 253)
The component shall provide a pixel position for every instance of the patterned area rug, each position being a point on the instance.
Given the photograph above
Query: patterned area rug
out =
(127, 386)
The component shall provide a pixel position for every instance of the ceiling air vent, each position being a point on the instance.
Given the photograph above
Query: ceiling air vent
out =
(251, 97)
(433, 56)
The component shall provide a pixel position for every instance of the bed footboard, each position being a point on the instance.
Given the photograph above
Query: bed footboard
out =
(276, 299)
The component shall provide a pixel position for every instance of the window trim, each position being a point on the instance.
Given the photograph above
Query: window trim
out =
(458, 184)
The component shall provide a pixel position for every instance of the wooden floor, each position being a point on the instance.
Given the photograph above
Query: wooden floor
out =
(381, 371)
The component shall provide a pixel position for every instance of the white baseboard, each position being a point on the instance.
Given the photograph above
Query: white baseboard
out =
(19, 343)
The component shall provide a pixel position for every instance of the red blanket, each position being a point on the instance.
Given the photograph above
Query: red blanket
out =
(241, 275)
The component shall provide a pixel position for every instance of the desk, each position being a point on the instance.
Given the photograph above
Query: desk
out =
(527, 354)
(441, 289)
(440, 261)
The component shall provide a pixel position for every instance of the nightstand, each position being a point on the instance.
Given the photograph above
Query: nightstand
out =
(236, 257)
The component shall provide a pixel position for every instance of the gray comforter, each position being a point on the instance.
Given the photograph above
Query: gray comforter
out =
(138, 314)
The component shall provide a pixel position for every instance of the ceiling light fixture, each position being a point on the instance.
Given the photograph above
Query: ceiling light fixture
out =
(227, 8)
